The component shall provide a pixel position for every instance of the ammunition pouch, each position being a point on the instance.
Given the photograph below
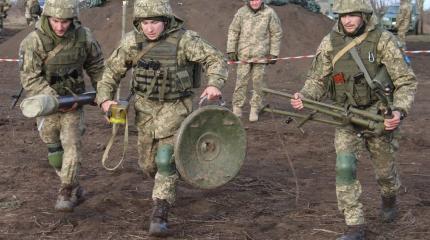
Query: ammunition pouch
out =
(157, 74)
(71, 81)
(357, 92)
(55, 155)
(160, 84)
(164, 160)
(346, 166)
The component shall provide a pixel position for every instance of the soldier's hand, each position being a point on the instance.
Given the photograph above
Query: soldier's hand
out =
(271, 59)
(297, 102)
(106, 105)
(213, 93)
(393, 123)
(232, 56)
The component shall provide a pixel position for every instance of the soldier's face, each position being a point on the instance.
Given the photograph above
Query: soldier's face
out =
(60, 25)
(351, 22)
(152, 29)
(255, 4)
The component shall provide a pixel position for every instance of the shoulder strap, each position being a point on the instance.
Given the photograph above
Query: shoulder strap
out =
(360, 64)
(54, 52)
(145, 50)
(350, 45)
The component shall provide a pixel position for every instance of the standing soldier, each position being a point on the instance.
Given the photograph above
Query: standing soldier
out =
(254, 34)
(164, 57)
(4, 7)
(32, 11)
(403, 20)
(53, 59)
(334, 68)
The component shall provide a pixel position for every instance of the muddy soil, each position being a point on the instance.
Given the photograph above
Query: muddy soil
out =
(262, 202)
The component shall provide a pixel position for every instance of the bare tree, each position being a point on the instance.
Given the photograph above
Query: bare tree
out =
(420, 9)
(381, 5)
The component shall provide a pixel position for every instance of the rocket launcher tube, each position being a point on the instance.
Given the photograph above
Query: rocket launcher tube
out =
(43, 105)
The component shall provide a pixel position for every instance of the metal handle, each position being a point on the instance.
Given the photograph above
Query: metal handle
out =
(220, 101)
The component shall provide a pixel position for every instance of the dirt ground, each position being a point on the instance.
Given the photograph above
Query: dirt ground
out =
(262, 202)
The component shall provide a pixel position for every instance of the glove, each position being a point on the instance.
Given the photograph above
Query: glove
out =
(269, 57)
(232, 56)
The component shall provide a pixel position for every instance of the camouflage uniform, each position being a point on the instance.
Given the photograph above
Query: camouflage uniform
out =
(60, 74)
(253, 35)
(31, 11)
(162, 83)
(159, 120)
(382, 149)
(4, 7)
(403, 20)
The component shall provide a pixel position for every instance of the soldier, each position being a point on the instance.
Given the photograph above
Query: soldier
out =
(4, 7)
(255, 33)
(403, 21)
(332, 69)
(32, 11)
(53, 58)
(163, 56)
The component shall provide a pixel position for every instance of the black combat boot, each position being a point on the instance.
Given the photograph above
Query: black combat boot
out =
(355, 232)
(158, 226)
(388, 209)
(69, 197)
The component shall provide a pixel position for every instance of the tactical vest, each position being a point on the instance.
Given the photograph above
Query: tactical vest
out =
(157, 75)
(348, 85)
(64, 71)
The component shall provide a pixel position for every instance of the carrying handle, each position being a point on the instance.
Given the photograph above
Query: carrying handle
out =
(204, 99)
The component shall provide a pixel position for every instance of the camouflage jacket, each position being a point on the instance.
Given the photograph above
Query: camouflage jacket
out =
(191, 49)
(32, 56)
(387, 53)
(29, 4)
(254, 34)
(5, 5)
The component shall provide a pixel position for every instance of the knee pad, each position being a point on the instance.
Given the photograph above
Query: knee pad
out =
(346, 168)
(55, 155)
(164, 160)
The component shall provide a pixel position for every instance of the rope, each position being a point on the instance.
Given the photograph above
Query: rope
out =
(110, 143)
(290, 162)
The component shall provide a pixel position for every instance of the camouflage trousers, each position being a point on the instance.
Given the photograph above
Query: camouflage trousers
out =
(67, 129)
(403, 20)
(382, 155)
(157, 122)
(245, 72)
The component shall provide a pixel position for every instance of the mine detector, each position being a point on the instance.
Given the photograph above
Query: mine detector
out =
(210, 145)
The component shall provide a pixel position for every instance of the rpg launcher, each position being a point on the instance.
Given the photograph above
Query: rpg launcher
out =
(43, 105)
(371, 123)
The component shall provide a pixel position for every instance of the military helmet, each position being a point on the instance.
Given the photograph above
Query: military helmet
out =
(61, 8)
(349, 6)
(152, 8)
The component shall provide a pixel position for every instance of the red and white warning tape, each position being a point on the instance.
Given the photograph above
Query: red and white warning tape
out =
(415, 52)
(251, 61)
(264, 60)
(8, 60)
